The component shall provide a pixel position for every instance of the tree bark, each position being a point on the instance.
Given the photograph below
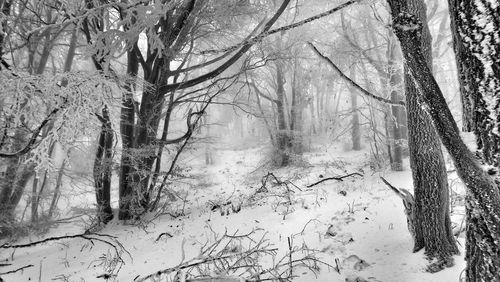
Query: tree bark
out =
(477, 51)
(483, 191)
(432, 216)
(102, 169)
(396, 85)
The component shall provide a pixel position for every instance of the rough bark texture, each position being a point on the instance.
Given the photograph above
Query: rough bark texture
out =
(475, 27)
(432, 217)
(483, 265)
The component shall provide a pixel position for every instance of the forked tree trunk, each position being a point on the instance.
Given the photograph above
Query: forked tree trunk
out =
(432, 216)
(483, 256)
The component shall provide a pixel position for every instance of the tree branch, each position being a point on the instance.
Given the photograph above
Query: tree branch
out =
(363, 52)
(214, 60)
(16, 270)
(246, 46)
(190, 127)
(357, 86)
(261, 36)
(33, 138)
(339, 178)
(258, 92)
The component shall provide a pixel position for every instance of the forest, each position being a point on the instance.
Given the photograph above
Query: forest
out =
(250, 140)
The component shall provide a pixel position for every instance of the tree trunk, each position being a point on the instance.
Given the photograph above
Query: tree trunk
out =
(432, 216)
(296, 111)
(478, 68)
(283, 138)
(57, 189)
(127, 121)
(102, 169)
(356, 132)
(395, 85)
(484, 255)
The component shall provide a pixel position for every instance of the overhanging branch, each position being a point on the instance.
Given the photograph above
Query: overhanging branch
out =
(246, 45)
(33, 138)
(353, 83)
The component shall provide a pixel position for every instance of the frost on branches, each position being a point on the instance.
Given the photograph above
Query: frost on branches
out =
(36, 111)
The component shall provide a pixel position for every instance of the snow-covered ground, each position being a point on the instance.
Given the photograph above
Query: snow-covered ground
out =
(356, 225)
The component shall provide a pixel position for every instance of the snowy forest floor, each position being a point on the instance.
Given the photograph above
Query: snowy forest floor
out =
(356, 225)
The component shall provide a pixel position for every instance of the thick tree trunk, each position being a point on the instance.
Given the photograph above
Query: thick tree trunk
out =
(484, 256)
(477, 45)
(432, 217)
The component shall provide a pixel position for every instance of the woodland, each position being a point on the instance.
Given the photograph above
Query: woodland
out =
(249, 140)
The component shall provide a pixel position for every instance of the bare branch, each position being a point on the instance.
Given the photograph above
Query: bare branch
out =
(33, 138)
(245, 47)
(16, 270)
(339, 178)
(261, 36)
(357, 86)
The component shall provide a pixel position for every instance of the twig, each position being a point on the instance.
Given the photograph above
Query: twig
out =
(16, 270)
(163, 234)
(337, 265)
(396, 190)
(305, 226)
(339, 178)
(290, 251)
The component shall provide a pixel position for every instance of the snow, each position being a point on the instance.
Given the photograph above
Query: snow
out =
(357, 221)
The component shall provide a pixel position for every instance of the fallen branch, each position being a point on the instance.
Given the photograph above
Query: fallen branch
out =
(32, 244)
(238, 257)
(103, 238)
(16, 270)
(339, 178)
